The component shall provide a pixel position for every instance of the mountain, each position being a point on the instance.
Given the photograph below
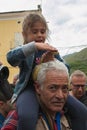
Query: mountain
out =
(77, 60)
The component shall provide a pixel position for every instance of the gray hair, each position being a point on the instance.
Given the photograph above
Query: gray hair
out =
(78, 73)
(48, 66)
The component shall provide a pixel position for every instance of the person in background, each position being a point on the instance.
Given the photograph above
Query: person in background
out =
(78, 84)
(6, 93)
(5, 107)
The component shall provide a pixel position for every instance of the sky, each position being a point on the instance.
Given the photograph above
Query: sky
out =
(67, 20)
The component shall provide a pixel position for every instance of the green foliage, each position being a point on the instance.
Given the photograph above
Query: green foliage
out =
(77, 60)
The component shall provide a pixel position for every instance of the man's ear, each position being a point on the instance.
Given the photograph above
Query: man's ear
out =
(37, 88)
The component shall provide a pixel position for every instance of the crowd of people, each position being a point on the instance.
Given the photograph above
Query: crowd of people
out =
(44, 95)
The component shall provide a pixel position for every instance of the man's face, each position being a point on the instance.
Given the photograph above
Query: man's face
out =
(37, 33)
(78, 86)
(54, 91)
(6, 107)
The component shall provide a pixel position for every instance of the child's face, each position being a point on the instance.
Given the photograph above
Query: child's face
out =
(37, 33)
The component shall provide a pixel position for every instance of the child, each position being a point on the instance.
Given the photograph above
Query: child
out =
(26, 57)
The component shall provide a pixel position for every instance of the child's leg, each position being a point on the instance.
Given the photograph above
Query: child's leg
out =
(27, 107)
(78, 113)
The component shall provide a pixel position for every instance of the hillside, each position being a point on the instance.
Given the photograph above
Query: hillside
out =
(77, 60)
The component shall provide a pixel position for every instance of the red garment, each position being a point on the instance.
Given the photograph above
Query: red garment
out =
(11, 121)
(55, 125)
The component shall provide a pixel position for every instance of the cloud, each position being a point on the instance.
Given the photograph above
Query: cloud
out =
(67, 22)
(67, 2)
(17, 5)
(67, 19)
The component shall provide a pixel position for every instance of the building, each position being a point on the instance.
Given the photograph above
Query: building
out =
(10, 34)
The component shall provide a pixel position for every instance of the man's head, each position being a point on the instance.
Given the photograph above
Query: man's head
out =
(5, 87)
(52, 85)
(78, 80)
(5, 91)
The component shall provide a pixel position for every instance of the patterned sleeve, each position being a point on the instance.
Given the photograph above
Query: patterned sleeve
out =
(11, 121)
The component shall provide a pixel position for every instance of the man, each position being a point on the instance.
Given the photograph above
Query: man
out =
(5, 93)
(78, 83)
(52, 90)
(51, 84)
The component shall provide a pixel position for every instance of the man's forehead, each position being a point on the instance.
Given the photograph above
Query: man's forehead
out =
(75, 78)
(56, 78)
(55, 73)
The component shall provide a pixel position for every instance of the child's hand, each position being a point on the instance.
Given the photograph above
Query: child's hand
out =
(45, 46)
(48, 56)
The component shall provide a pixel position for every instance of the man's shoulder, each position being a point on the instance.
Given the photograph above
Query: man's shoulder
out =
(41, 124)
(83, 99)
(65, 122)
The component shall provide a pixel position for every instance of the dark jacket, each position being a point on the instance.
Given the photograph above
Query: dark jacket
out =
(83, 99)
(77, 112)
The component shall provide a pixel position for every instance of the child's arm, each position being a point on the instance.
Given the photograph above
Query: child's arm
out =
(15, 56)
(45, 46)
